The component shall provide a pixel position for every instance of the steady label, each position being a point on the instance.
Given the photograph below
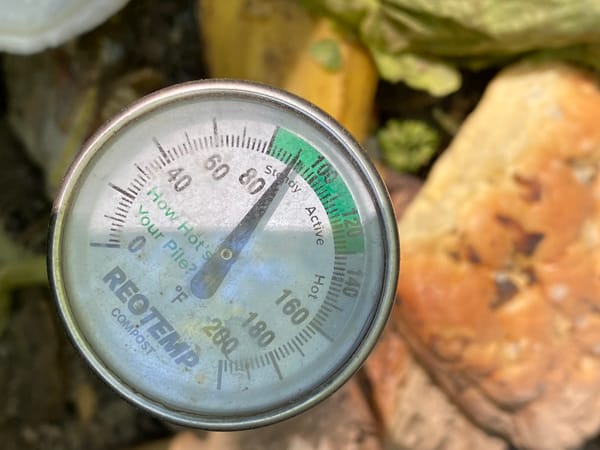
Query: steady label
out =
(293, 185)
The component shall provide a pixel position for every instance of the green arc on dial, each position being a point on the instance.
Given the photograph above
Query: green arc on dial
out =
(331, 189)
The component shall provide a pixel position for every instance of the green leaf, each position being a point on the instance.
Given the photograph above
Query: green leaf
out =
(408, 145)
(327, 52)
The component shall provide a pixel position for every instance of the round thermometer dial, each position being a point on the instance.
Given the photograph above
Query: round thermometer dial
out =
(223, 254)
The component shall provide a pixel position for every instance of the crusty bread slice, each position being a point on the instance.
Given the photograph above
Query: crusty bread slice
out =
(499, 291)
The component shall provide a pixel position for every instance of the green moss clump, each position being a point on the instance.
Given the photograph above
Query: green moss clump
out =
(408, 145)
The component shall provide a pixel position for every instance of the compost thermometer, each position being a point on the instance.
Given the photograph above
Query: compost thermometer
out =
(223, 254)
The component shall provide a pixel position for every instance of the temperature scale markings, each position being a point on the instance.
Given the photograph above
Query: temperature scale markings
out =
(128, 195)
(220, 375)
(231, 140)
(326, 308)
(119, 215)
(217, 140)
(155, 166)
(138, 183)
(276, 352)
(336, 224)
(105, 244)
(163, 154)
(321, 192)
(124, 206)
(189, 146)
(330, 303)
(271, 143)
(282, 351)
(333, 298)
(312, 181)
(331, 200)
(304, 174)
(337, 279)
(264, 145)
(275, 365)
(340, 257)
(315, 326)
(242, 138)
(215, 131)
(253, 363)
(339, 267)
(335, 291)
(341, 246)
(289, 349)
(322, 314)
(144, 174)
(116, 219)
(298, 345)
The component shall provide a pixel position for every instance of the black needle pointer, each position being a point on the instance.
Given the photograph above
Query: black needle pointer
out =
(210, 276)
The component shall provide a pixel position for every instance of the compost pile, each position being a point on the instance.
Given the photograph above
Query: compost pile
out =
(482, 118)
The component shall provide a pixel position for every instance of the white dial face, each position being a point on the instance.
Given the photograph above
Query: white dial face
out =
(223, 260)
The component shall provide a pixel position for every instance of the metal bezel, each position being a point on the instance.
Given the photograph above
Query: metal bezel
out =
(281, 99)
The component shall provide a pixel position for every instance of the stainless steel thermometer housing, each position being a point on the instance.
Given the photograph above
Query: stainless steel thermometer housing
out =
(223, 254)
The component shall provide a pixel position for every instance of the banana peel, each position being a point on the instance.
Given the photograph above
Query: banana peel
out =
(280, 43)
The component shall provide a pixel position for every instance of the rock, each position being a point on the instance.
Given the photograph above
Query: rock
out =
(414, 412)
(500, 274)
(342, 422)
